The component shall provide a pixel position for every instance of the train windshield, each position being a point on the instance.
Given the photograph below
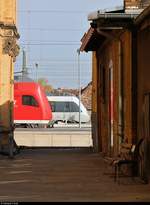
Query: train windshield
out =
(29, 101)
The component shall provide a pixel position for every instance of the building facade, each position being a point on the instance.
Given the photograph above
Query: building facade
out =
(119, 40)
(8, 52)
(143, 83)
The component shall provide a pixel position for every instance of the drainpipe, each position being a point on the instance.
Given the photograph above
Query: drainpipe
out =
(79, 79)
(120, 89)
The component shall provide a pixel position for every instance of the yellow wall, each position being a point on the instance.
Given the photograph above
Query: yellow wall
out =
(8, 11)
(8, 33)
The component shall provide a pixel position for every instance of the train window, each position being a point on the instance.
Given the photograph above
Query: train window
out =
(29, 100)
(67, 107)
(74, 107)
(62, 107)
(52, 104)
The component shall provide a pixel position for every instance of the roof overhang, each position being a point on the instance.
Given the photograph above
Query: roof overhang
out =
(90, 40)
(101, 27)
(104, 20)
(102, 23)
(98, 15)
(142, 16)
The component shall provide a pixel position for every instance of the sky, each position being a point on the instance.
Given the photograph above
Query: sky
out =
(50, 34)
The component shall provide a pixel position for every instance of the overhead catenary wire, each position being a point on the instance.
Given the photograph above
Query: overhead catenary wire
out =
(58, 60)
(69, 66)
(51, 29)
(49, 44)
(53, 11)
(50, 41)
(54, 61)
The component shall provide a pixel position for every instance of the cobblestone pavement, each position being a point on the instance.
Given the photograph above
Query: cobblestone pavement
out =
(70, 175)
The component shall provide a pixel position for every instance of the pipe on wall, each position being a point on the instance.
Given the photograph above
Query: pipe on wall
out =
(120, 87)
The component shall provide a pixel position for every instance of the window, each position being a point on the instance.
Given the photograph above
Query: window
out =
(60, 106)
(74, 107)
(29, 100)
(64, 107)
(52, 104)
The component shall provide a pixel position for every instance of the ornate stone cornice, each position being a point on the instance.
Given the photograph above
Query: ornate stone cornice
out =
(9, 35)
(10, 47)
(12, 27)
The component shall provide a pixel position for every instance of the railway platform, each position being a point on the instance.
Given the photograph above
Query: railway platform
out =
(64, 175)
(54, 137)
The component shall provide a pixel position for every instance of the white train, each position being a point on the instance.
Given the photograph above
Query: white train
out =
(66, 109)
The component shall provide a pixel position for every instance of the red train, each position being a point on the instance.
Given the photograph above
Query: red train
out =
(31, 107)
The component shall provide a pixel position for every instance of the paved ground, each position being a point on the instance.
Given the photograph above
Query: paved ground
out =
(64, 176)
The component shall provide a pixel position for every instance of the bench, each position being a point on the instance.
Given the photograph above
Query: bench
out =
(129, 155)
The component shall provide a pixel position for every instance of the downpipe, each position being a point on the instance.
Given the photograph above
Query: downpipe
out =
(120, 87)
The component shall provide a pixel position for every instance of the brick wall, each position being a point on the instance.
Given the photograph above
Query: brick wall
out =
(131, 3)
(86, 96)
(136, 3)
